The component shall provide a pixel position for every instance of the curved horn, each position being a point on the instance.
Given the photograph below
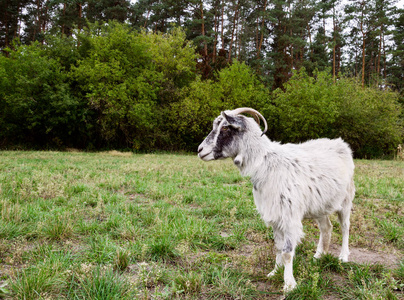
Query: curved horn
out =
(252, 112)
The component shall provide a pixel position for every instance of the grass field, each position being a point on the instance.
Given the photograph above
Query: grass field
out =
(165, 226)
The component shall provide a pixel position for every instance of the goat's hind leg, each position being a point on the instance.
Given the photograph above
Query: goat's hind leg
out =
(325, 236)
(343, 217)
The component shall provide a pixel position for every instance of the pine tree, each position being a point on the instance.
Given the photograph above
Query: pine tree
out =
(10, 21)
(395, 68)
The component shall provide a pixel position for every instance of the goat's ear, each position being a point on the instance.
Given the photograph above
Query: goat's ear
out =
(232, 121)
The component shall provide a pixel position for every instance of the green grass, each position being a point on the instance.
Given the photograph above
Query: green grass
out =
(165, 226)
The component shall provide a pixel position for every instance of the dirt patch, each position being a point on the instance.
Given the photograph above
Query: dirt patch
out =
(365, 256)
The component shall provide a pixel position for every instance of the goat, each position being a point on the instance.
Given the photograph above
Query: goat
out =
(291, 182)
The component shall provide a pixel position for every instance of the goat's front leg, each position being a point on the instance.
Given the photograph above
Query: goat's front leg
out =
(278, 239)
(288, 252)
(278, 263)
(285, 250)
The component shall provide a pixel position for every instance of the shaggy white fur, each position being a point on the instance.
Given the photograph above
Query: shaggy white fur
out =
(291, 182)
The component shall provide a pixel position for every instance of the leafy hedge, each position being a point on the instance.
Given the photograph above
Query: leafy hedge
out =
(312, 107)
(117, 88)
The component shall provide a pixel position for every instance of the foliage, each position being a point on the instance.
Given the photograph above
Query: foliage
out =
(129, 77)
(37, 105)
(119, 82)
(369, 118)
(241, 87)
(313, 107)
(119, 88)
(202, 101)
(305, 109)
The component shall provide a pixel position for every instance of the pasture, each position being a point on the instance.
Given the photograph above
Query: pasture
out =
(115, 225)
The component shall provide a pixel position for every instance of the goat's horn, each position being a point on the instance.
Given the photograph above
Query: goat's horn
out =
(254, 113)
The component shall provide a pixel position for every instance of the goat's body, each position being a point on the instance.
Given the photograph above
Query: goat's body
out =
(291, 182)
(305, 186)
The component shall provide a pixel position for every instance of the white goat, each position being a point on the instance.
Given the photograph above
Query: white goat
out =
(291, 181)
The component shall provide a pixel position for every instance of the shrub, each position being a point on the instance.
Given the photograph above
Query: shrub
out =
(201, 101)
(313, 107)
(368, 119)
(36, 104)
(305, 108)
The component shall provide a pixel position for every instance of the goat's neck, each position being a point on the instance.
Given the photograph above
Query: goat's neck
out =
(252, 154)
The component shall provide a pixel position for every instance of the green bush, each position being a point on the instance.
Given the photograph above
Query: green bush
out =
(305, 109)
(127, 77)
(369, 119)
(202, 101)
(313, 107)
(113, 87)
(36, 103)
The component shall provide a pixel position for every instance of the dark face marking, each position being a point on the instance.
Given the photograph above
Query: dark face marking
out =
(229, 132)
(224, 140)
(211, 136)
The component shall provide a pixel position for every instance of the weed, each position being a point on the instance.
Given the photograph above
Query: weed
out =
(308, 289)
(162, 249)
(188, 282)
(103, 284)
(328, 262)
(391, 232)
(38, 281)
(58, 227)
(122, 259)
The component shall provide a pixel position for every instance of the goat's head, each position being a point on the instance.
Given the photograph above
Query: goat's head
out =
(227, 133)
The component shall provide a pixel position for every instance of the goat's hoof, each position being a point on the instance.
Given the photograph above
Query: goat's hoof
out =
(343, 258)
(318, 255)
(289, 286)
(272, 273)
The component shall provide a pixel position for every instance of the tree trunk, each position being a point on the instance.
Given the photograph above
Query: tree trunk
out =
(384, 60)
(310, 42)
(44, 21)
(38, 20)
(363, 59)
(205, 45)
(380, 51)
(334, 44)
(262, 30)
(222, 29)
(6, 42)
(216, 28)
(64, 18)
(17, 27)
(79, 22)
(232, 32)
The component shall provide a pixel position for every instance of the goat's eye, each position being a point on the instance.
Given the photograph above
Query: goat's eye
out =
(225, 128)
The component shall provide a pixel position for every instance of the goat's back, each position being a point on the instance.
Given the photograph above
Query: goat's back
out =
(316, 176)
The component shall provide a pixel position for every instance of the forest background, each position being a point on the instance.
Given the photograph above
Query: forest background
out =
(152, 75)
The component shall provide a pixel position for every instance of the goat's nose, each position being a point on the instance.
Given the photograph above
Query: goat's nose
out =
(200, 149)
